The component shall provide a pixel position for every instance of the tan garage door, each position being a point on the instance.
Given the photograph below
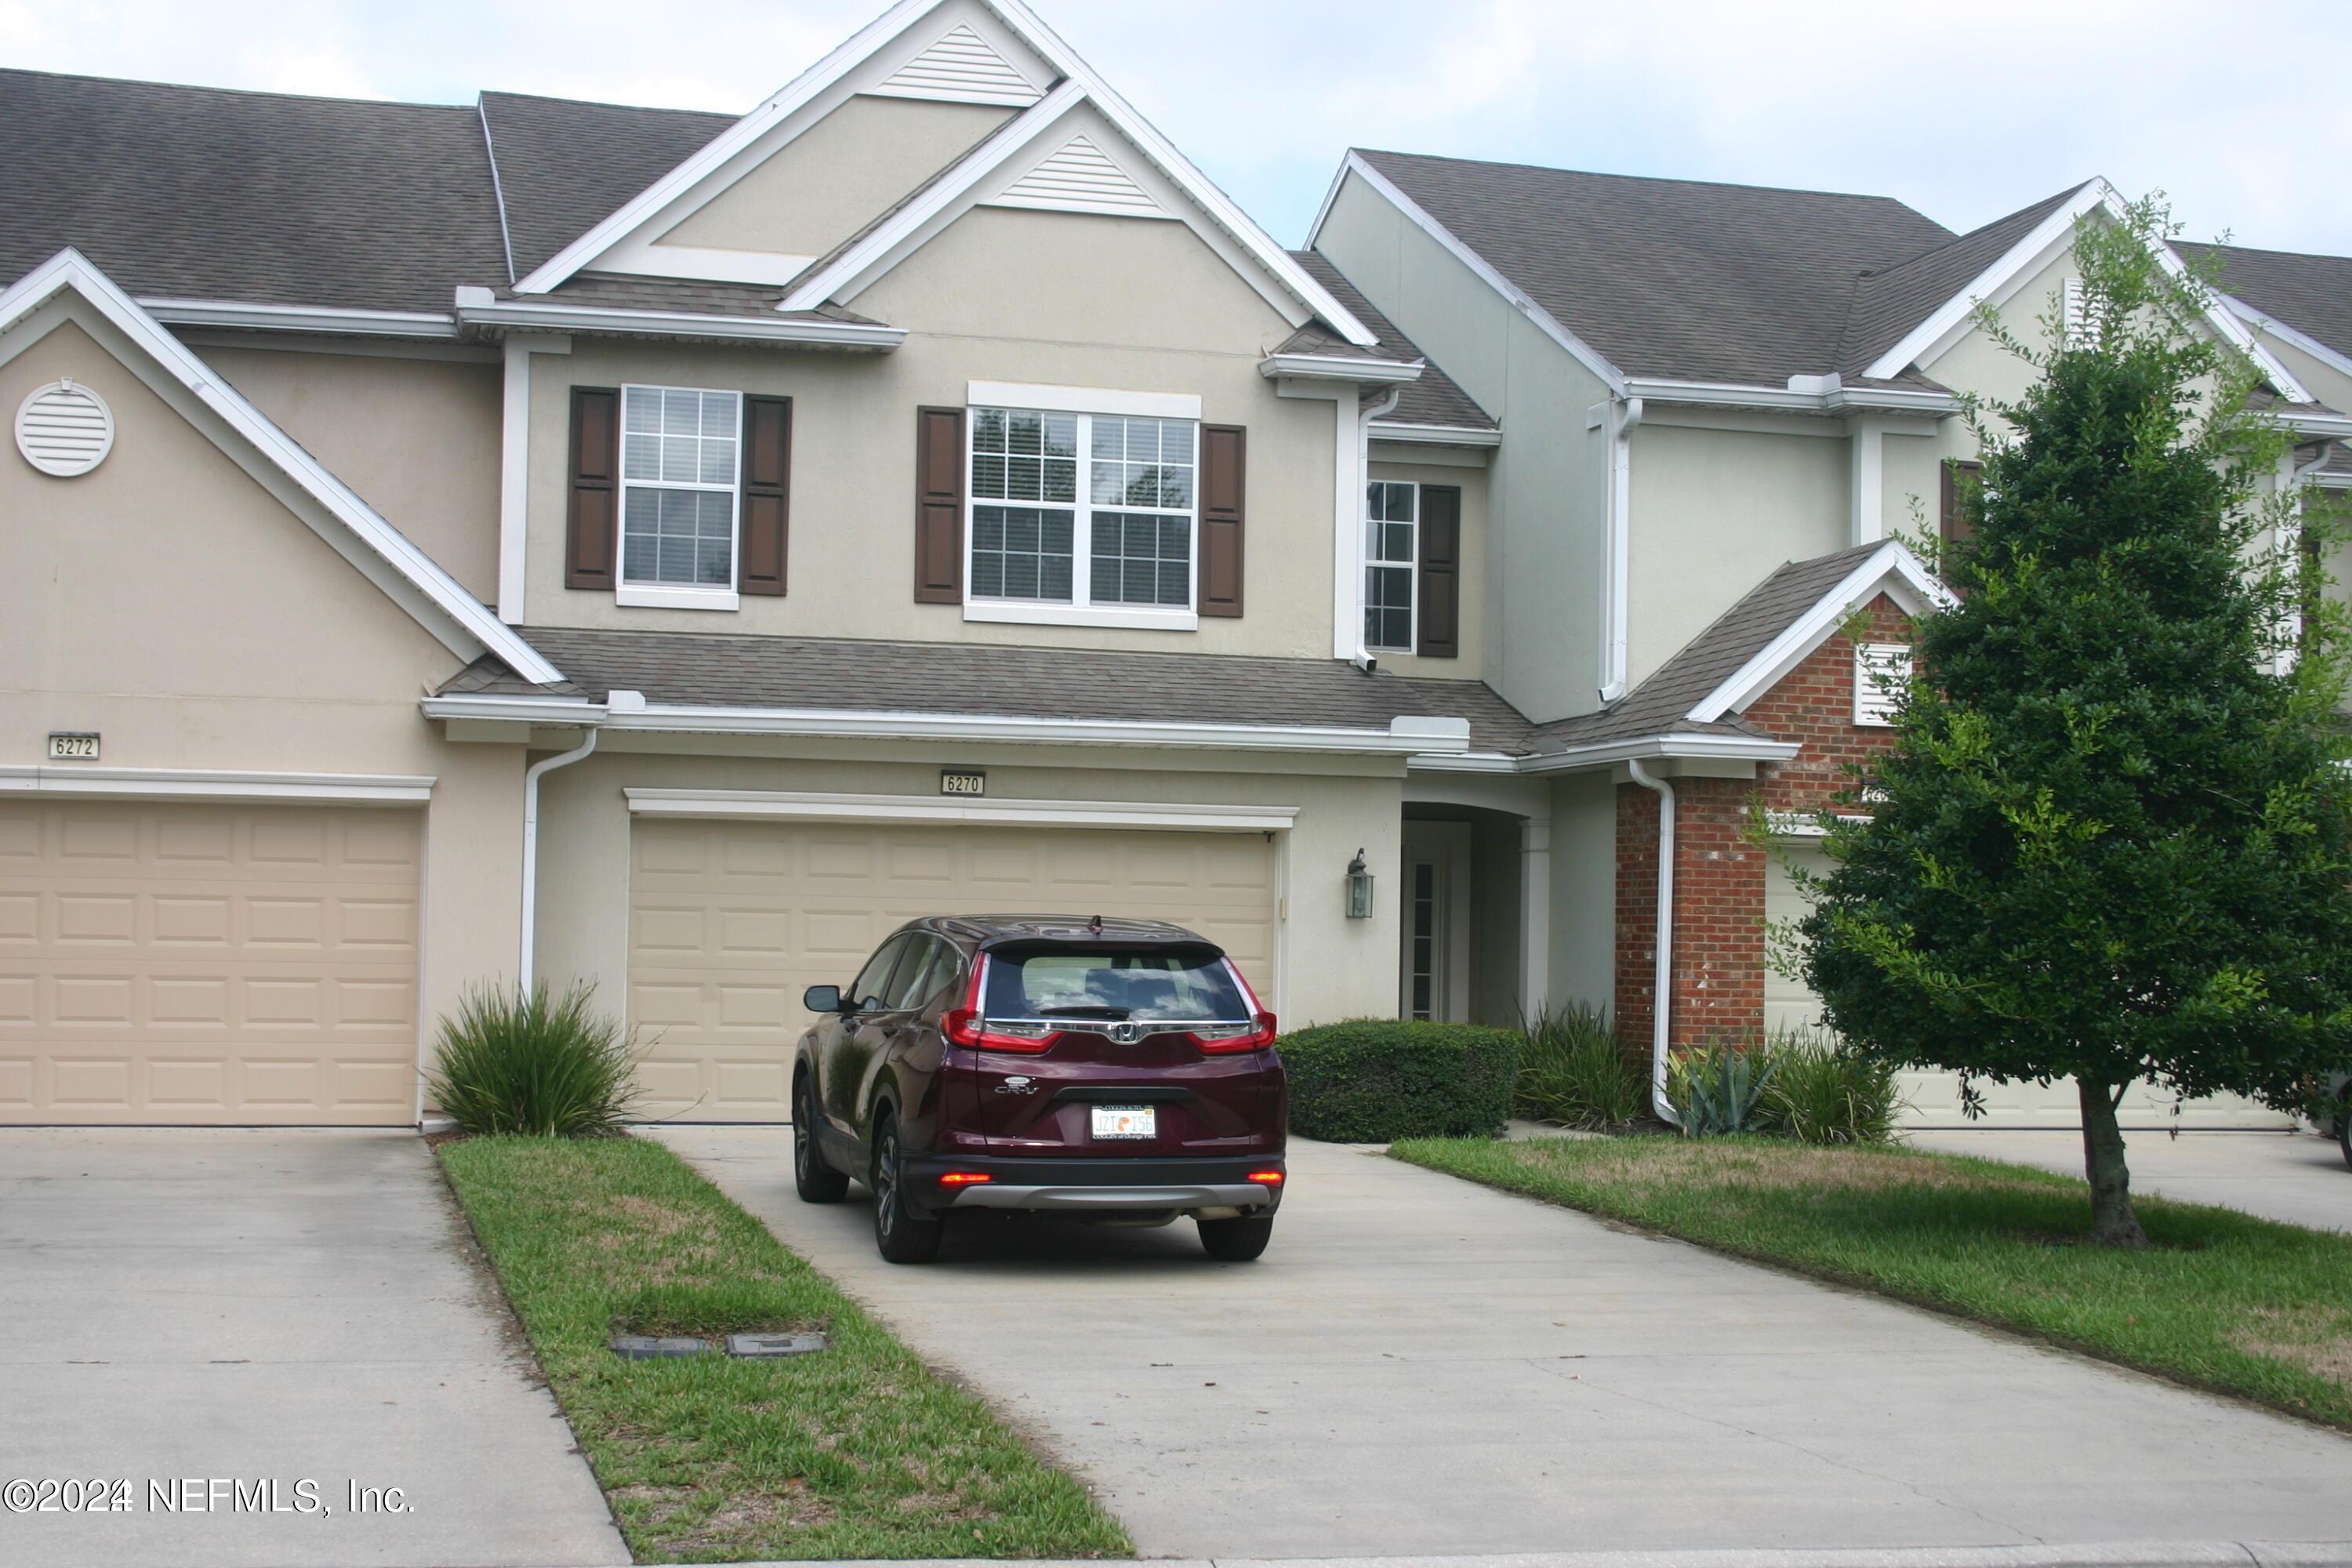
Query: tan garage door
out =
(730, 921)
(191, 964)
(1935, 1097)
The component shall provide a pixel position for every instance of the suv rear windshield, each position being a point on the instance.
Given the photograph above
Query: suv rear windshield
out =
(1179, 987)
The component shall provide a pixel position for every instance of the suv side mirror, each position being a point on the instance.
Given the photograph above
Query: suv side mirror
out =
(822, 999)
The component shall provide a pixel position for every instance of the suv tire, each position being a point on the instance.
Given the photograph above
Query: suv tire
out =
(1235, 1240)
(813, 1177)
(902, 1233)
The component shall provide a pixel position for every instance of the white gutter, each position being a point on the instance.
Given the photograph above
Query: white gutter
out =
(1436, 435)
(1407, 736)
(1662, 987)
(524, 964)
(340, 321)
(1603, 753)
(1802, 395)
(1340, 367)
(533, 316)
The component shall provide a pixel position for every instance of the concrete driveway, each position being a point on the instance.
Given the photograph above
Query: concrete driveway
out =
(193, 1311)
(1423, 1366)
(2290, 1177)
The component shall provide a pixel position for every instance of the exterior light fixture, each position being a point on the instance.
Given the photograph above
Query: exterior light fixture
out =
(1359, 889)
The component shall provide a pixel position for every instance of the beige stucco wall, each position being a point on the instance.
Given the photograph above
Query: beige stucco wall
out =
(1584, 889)
(1002, 295)
(1715, 514)
(837, 176)
(1333, 967)
(1472, 663)
(417, 438)
(170, 602)
(1545, 561)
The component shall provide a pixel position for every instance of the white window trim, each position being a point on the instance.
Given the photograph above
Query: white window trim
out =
(678, 595)
(1412, 568)
(1052, 612)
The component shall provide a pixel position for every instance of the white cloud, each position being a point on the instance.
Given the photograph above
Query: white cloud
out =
(1966, 109)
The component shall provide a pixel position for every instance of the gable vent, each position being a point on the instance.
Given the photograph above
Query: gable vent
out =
(65, 430)
(962, 68)
(1080, 178)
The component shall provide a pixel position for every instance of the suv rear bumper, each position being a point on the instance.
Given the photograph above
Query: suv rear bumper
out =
(1100, 1185)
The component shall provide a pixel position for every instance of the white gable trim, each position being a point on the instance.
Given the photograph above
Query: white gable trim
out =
(1892, 569)
(2264, 323)
(1952, 320)
(1544, 321)
(464, 624)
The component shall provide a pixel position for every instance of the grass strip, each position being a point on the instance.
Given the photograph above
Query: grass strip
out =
(856, 1451)
(2222, 1301)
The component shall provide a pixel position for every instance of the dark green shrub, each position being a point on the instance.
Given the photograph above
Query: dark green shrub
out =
(1373, 1080)
(529, 1063)
(1573, 1071)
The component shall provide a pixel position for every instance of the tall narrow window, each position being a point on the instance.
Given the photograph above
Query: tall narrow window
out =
(1392, 529)
(680, 467)
(1423, 977)
(1122, 539)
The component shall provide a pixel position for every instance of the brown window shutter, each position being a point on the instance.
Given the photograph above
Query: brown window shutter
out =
(591, 537)
(1959, 482)
(1441, 572)
(939, 506)
(1225, 484)
(767, 495)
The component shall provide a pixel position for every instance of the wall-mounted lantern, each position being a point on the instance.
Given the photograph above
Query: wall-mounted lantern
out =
(1359, 889)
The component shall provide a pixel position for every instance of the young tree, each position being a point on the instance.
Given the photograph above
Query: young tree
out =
(2113, 839)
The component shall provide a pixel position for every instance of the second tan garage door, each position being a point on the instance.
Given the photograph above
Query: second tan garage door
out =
(730, 921)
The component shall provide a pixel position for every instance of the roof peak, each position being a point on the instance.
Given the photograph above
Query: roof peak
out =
(1639, 179)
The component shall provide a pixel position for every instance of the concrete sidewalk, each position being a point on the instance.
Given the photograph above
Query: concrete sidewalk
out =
(192, 1308)
(2094, 1554)
(2290, 1177)
(1424, 1366)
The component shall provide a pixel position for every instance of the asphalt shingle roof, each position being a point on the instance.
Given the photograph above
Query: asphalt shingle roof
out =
(1012, 682)
(565, 166)
(2312, 294)
(1657, 706)
(1890, 301)
(1434, 399)
(1676, 279)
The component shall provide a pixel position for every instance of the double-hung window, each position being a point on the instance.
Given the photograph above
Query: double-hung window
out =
(681, 465)
(1391, 556)
(1082, 518)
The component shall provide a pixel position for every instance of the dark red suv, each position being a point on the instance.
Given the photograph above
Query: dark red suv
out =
(1114, 1069)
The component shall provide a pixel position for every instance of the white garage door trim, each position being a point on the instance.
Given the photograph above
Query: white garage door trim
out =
(883, 809)
(227, 787)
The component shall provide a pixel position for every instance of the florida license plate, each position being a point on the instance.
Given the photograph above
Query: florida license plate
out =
(1126, 1120)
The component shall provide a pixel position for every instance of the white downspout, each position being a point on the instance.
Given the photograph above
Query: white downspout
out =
(530, 847)
(1622, 417)
(1662, 1002)
(1364, 418)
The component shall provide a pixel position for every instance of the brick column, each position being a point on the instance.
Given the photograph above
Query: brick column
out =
(1718, 930)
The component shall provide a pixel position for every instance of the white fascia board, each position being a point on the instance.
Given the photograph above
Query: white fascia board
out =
(202, 783)
(871, 254)
(1673, 744)
(532, 316)
(328, 320)
(1891, 569)
(1204, 192)
(1340, 367)
(2333, 426)
(471, 627)
(1544, 321)
(2262, 321)
(809, 806)
(714, 155)
(1464, 763)
(1436, 435)
(2054, 232)
(896, 726)
(1834, 400)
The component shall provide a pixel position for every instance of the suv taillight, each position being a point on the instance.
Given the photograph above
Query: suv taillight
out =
(1219, 1039)
(965, 1026)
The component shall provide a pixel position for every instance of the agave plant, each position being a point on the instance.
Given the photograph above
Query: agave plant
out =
(1716, 1089)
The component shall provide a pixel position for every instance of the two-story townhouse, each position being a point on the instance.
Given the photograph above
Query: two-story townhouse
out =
(556, 539)
(1722, 408)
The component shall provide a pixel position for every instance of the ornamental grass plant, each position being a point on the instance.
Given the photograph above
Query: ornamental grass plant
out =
(534, 1063)
(1574, 1072)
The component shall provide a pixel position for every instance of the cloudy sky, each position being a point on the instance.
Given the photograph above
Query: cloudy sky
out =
(1965, 111)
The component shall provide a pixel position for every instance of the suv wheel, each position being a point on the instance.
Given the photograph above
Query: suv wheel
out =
(1235, 1240)
(812, 1178)
(902, 1233)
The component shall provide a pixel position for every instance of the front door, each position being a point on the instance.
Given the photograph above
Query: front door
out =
(1433, 964)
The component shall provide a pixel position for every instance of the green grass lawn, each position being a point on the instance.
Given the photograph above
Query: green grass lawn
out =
(2222, 1301)
(857, 1452)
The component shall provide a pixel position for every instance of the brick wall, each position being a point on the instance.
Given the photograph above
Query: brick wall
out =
(1719, 875)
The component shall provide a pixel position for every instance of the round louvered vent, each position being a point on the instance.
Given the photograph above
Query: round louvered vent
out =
(64, 430)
